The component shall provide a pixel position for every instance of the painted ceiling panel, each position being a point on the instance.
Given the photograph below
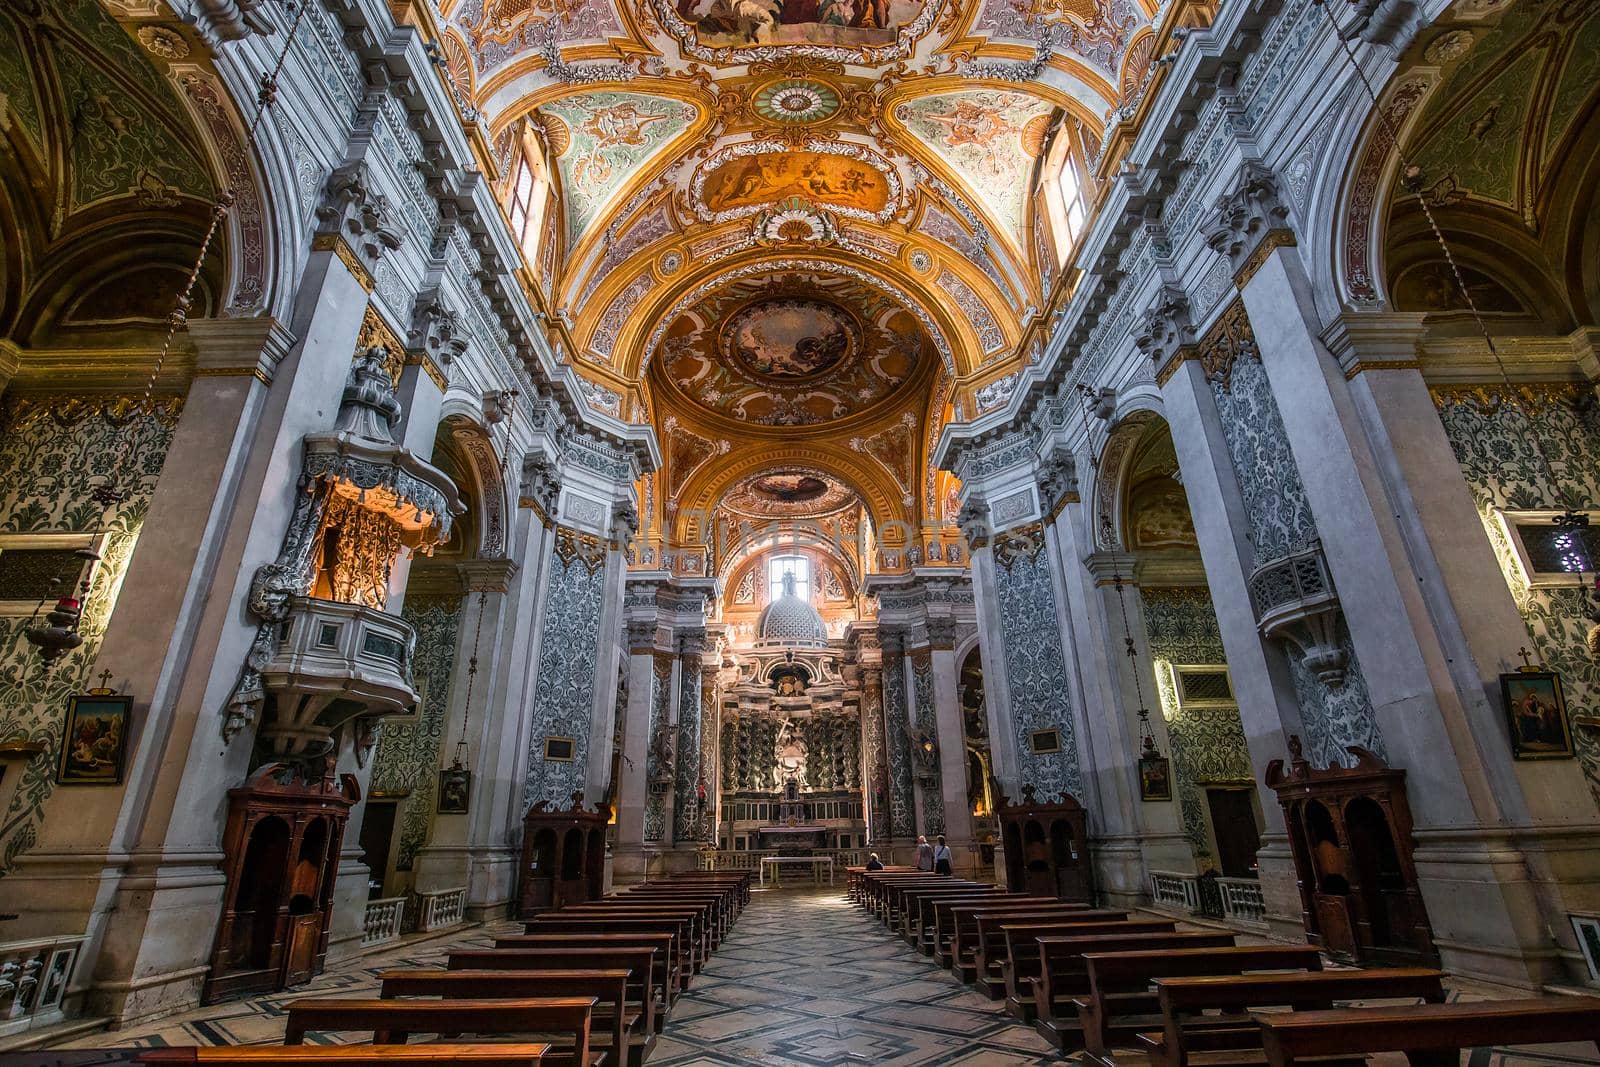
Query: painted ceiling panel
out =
(604, 139)
(990, 138)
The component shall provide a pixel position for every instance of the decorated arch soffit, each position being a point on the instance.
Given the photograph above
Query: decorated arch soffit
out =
(855, 477)
(1489, 105)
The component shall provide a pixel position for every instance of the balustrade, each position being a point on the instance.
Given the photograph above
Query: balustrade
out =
(34, 976)
(383, 920)
(441, 909)
(1242, 900)
(1175, 890)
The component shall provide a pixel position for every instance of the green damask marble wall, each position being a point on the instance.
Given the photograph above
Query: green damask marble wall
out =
(1493, 441)
(54, 452)
(407, 763)
(1208, 744)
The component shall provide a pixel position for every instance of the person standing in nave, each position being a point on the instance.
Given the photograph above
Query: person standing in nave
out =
(942, 857)
(924, 854)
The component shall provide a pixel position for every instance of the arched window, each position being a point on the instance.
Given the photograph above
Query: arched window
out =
(526, 192)
(1066, 190)
(798, 566)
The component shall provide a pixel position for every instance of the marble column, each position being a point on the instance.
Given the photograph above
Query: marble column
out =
(149, 851)
(688, 814)
(1119, 614)
(1269, 709)
(633, 791)
(874, 748)
(897, 745)
(461, 849)
(951, 729)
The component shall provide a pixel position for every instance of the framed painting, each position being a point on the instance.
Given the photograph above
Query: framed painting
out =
(1536, 711)
(455, 789)
(1155, 778)
(94, 744)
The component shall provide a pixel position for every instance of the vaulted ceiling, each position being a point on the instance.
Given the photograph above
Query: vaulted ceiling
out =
(806, 228)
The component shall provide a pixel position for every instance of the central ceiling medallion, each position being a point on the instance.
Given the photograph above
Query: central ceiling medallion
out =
(796, 488)
(796, 102)
(732, 32)
(790, 338)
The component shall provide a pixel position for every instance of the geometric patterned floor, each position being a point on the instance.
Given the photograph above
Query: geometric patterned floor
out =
(805, 979)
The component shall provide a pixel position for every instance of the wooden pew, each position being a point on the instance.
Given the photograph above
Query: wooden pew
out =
(948, 916)
(719, 904)
(1120, 998)
(904, 895)
(981, 941)
(664, 975)
(622, 1028)
(908, 921)
(922, 921)
(1185, 1028)
(317, 1055)
(638, 960)
(1006, 955)
(1063, 975)
(1430, 1035)
(682, 955)
(393, 1021)
(697, 936)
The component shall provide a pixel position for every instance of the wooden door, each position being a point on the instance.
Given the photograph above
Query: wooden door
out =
(1233, 824)
(305, 935)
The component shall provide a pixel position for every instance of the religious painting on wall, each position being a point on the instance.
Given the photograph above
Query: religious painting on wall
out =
(1536, 711)
(455, 789)
(1155, 778)
(95, 741)
(850, 23)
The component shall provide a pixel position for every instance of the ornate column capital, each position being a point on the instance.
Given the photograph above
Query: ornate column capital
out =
(1250, 222)
(641, 636)
(1165, 333)
(691, 644)
(1106, 566)
(487, 575)
(436, 337)
(541, 485)
(1375, 340)
(355, 223)
(942, 633)
(1057, 478)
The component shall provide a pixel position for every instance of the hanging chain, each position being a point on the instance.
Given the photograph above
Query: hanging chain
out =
(109, 495)
(1147, 739)
(472, 675)
(1571, 522)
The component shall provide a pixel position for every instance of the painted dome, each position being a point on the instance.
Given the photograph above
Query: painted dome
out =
(790, 620)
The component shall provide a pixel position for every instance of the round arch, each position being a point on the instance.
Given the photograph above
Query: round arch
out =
(871, 483)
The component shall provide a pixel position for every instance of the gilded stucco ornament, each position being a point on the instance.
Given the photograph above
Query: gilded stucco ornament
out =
(360, 499)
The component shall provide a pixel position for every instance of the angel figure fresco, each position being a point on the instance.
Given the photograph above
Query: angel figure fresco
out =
(980, 126)
(614, 126)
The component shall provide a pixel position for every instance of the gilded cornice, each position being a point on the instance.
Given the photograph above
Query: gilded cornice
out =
(1531, 397)
(335, 243)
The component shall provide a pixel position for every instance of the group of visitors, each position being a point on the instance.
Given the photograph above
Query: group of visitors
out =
(935, 858)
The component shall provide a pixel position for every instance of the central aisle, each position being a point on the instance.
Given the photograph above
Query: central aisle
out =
(807, 978)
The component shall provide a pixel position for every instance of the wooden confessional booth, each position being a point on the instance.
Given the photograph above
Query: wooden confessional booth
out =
(563, 857)
(281, 854)
(1350, 833)
(1047, 847)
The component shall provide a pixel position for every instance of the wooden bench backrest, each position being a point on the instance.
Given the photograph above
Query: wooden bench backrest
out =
(521, 1055)
(609, 988)
(1302, 990)
(1120, 972)
(643, 962)
(397, 1019)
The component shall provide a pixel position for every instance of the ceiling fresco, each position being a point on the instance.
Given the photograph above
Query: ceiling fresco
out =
(780, 218)
(792, 349)
(791, 493)
(990, 138)
(601, 140)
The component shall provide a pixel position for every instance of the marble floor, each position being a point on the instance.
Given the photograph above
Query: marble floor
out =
(804, 980)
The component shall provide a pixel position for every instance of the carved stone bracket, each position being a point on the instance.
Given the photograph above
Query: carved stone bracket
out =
(1250, 221)
(1295, 602)
(356, 222)
(1057, 477)
(436, 338)
(1166, 330)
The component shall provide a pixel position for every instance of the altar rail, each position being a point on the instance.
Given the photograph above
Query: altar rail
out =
(751, 861)
(1241, 899)
(441, 909)
(383, 921)
(34, 976)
